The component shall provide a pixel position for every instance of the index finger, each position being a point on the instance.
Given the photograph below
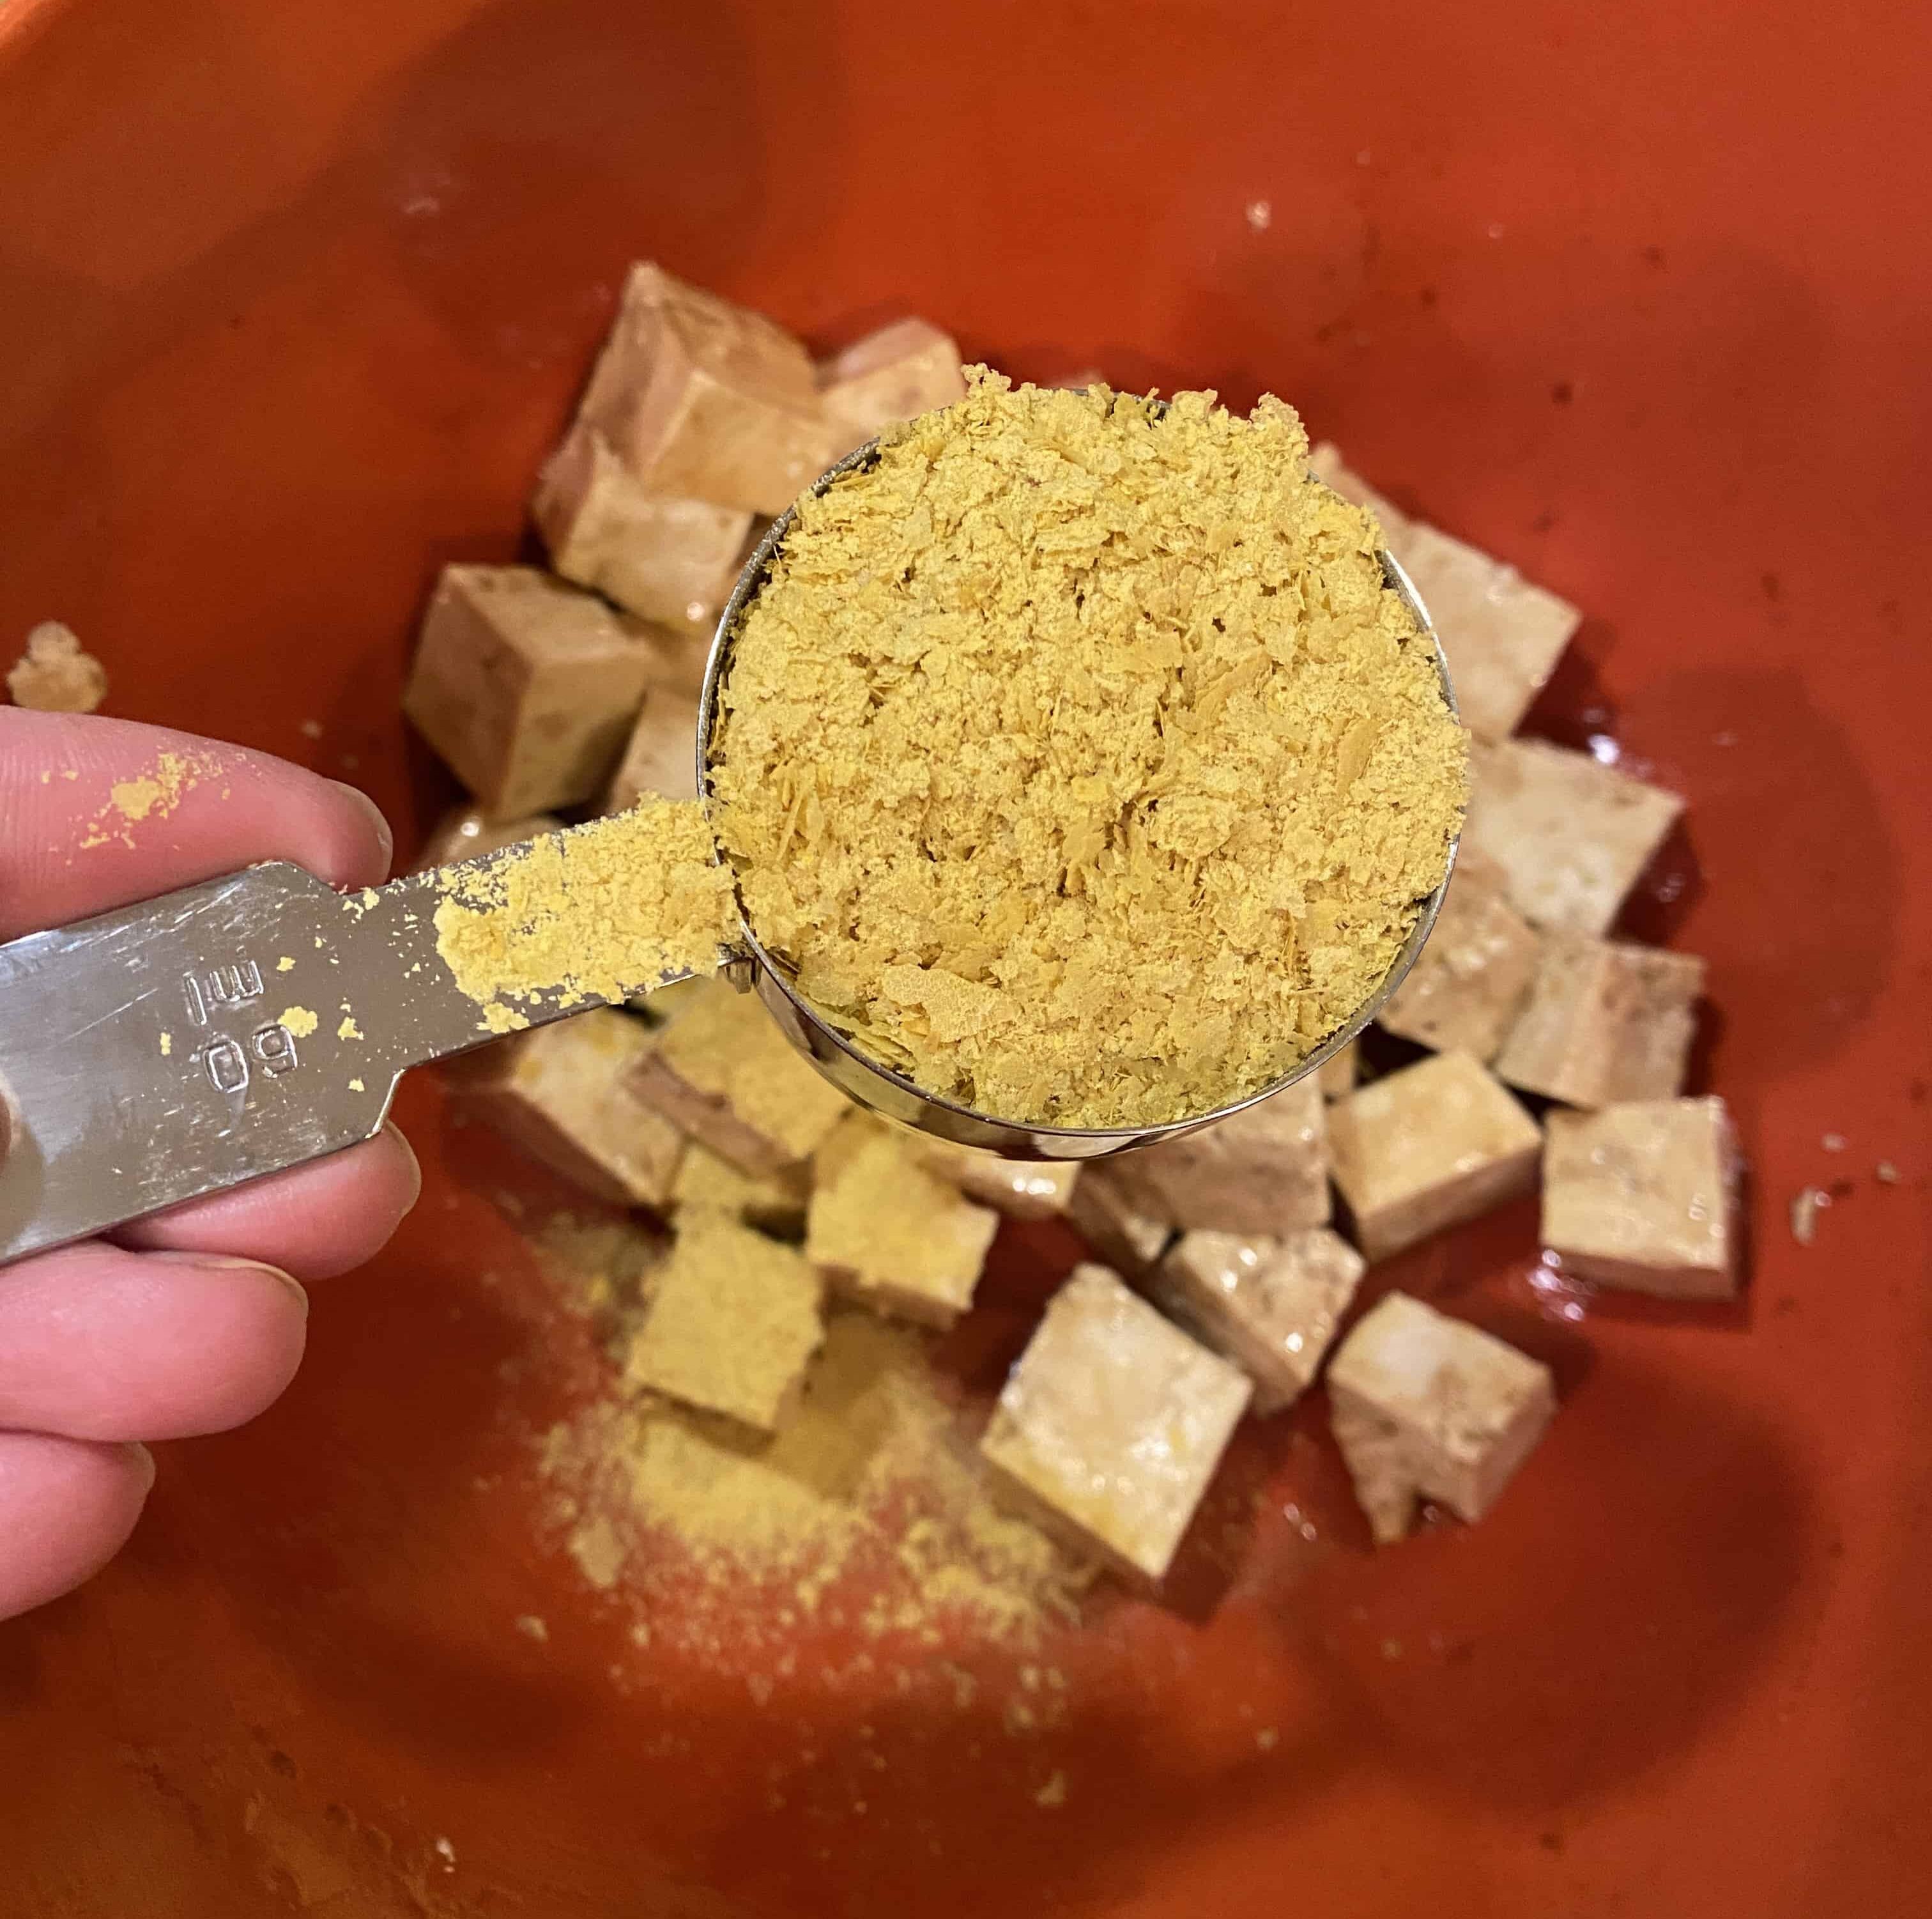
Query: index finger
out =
(96, 813)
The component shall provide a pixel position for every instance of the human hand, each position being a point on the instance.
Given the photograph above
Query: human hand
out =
(192, 1320)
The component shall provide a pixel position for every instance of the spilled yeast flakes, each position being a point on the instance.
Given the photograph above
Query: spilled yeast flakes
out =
(1077, 758)
(596, 912)
(152, 794)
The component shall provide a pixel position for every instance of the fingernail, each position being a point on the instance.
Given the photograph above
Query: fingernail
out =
(145, 1460)
(390, 1126)
(229, 1262)
(384, 837)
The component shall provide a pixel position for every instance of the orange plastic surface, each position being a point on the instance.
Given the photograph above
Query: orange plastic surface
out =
(293, 301)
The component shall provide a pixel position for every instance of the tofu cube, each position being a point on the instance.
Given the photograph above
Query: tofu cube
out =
(1264, 1171)
(662, 755)
(1571, 835)
(1111, 1424)
(703, 399)
(722, 1072)
(563, 1092)
(774, 1203)
(1337, 1077)
(732, 1322)
(1111, 1221)
(901, 371)
(1604, 1021)
(1026, 1188)
(1426, 1407)
(1501, 636)
(1326, 463)
(1269, 1306)
(463, 833)
(1427, 1148)
(1645, 1197)
(660, 558)
(886, 1231)
(525, 686)
(1465, 989)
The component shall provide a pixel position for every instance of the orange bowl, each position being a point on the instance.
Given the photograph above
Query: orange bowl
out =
(292, 301)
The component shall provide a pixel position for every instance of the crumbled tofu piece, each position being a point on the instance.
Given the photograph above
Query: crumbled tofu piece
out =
(525, 686)
(1424, 1406)
(1337, 1077)
(897, 374)
(1264, 1171)
(1571, 835)
(1112, 1423)
(563, 1092)
(773, 1202)
(661, 558)
(1027, 1188)
(723, 1072)
(1604, 1022)
(733, 1321)
(1643, 1196)
(662, 756)
(1111, 1221)
(463, 833)
(1806, 1204)
(1469, 983)
(704, 400)
(887, 1232)
(54, 675)
(1269, 1306)
(1430, 1146)
(1502, 636)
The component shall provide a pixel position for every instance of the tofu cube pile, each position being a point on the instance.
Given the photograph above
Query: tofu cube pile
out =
(1550, 1052)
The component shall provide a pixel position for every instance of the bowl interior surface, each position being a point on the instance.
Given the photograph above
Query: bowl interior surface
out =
(293, 303)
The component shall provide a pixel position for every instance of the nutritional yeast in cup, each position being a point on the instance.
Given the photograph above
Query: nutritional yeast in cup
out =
(1077, 757)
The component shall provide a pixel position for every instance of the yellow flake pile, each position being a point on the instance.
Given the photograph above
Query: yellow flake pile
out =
(1078, 759)
(868, 1502)
(600, 912)
(152, 795)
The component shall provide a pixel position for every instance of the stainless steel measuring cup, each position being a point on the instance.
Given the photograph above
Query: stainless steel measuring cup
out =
(143, 1061)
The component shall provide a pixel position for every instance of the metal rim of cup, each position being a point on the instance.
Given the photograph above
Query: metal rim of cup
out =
(880, 1087)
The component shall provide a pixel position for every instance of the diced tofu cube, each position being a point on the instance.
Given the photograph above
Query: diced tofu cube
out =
(463, 833)
(660, 558)
(1430, 1146)
(1501, 636)
(1112, 1423)
(1571, 835)
(1644, 1197)
(563, 1092)
(774, 1203)
(662, 755)
(725, 1074)
(1604, 1021)
(733, 1321)
(901, 371)
(1469, 983)
(1262, 1171)
(703, 399)
(1027, 1188)
(887, 1232)
(1337, 1077)
(525, 686)
(1325, 463)
(1426, 1407)
(1269, 1306)
(1111, 1221)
